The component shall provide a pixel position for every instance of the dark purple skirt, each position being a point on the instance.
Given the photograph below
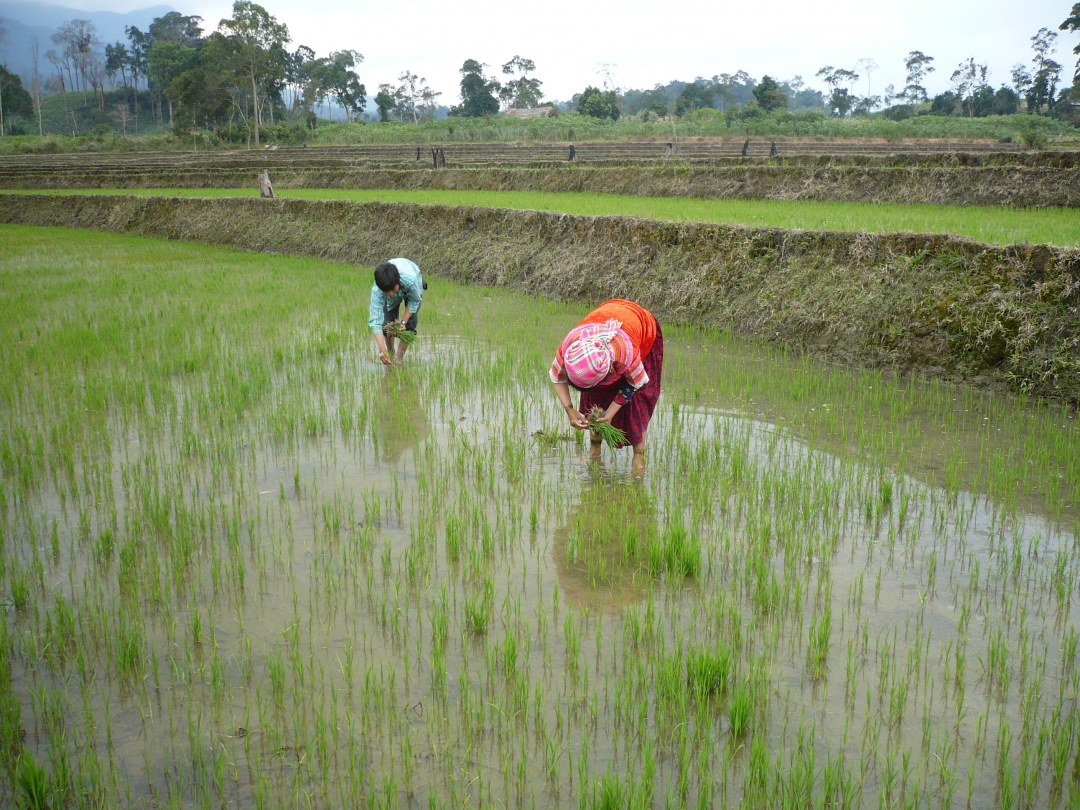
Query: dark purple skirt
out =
(633, 418)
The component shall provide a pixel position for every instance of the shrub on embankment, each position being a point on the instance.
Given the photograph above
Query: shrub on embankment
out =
(992, 315)
(1016, 186)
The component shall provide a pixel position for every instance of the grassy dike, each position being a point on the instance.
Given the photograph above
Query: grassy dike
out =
(991, 224)
(999, 185)
(996, 316)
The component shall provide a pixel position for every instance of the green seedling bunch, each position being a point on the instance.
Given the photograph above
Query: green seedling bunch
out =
(609, 434)
(396, 330)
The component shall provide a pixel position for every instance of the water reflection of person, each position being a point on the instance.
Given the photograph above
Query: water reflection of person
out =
(400, 416)
(599, 551)
(615, 357)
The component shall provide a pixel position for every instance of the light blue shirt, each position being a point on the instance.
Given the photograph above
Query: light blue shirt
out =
(411, 292)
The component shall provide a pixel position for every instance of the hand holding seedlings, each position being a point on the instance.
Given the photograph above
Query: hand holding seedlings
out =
(600, 424)
(576, 419)
(397, 330)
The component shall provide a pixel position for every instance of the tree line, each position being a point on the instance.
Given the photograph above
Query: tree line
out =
(241, 77)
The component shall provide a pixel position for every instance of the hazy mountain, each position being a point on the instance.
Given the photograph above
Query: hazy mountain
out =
(26, 20)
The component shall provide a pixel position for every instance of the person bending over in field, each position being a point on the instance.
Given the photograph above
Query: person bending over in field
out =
(615, 357)
(396, 281)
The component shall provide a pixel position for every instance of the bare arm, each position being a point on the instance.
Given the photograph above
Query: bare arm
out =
(562, 391)
(384, 352)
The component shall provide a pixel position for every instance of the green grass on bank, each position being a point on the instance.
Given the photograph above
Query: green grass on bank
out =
(1054, 226)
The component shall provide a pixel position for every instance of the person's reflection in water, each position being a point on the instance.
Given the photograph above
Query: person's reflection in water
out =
(400, 418)
(599, 552)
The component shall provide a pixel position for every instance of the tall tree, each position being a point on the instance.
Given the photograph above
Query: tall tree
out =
(1072, 24)
(299, 78)
(523, 90)
(166, 61)
(1047, 73)
(1021, 79)
(598, 103)
(769, 95)
(732, 88)
(969, 81)
(77, 38)
(478, 92)
(116, 61)
(840, 98)
(386, 102)
(337, 77)
(918, 68)
(414, 98)
(867, 66)
(202, 94)
(139, 44)
(696, 96)
(259, 40)
(17, 102)
(177, 28)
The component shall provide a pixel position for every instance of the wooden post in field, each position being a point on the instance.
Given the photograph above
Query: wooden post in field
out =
(266, 188)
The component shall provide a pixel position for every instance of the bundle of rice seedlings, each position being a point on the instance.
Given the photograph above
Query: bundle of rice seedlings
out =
(608, 433)
(396, 330)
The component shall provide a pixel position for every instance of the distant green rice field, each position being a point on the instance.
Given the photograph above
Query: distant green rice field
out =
(1004, 226)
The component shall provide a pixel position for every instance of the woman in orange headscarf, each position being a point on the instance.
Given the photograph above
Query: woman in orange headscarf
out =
(615, 357)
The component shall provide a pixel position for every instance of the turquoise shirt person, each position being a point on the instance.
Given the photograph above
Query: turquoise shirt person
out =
(411, 292)
(395, 281)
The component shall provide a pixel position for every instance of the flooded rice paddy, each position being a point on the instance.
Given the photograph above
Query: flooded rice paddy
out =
(245, 565)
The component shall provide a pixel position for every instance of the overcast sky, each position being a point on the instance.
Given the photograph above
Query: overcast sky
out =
(655, 42)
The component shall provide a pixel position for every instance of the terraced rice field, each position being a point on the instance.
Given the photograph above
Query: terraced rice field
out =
(931, 152)
(1055, 226)
(243, 564)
